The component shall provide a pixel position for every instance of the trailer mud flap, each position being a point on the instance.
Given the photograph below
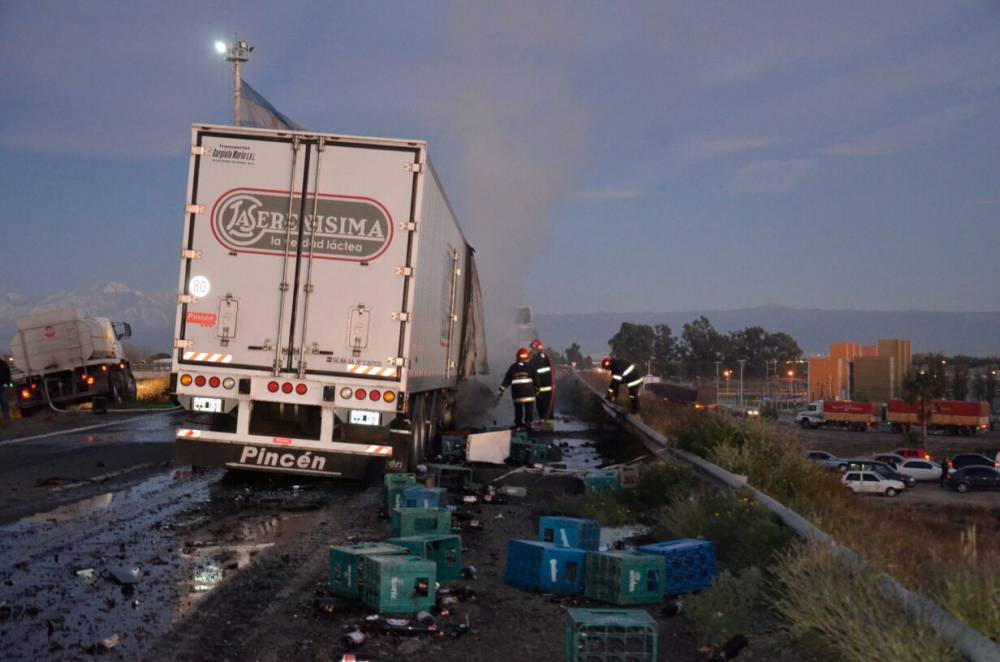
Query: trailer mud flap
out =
(253, 457)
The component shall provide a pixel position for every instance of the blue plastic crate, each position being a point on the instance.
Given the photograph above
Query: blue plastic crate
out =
(419, 496)
(603, 482)
(570, 532)
(541, 566)
(690, 564)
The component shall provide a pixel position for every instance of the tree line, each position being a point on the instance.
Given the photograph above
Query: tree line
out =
(695, 352)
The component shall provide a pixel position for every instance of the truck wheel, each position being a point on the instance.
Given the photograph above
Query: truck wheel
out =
(418, 419)
(891, 491)
(805, 424)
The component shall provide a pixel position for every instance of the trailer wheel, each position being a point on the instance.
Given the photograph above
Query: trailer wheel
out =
(448, 410)
(418, 419)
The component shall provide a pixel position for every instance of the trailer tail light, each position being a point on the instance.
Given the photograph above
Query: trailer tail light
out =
(272, 387)
(121, 366)
(90, 381)
(25, 394)
(360, 394)
(214, 382)
(199, 380)
(228, 383)
(185, 380)
(301, 389)
(286, 387)
(374, 394)
(104, 368)
(346, 393)
(389, 396)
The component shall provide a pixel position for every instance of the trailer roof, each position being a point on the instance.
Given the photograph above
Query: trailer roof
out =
(396, 142)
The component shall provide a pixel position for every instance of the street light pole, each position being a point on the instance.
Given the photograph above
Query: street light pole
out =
(717, 383)
(741, 362)
(237, 53)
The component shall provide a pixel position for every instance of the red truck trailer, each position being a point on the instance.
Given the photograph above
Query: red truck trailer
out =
(852, 415)
(951, 416)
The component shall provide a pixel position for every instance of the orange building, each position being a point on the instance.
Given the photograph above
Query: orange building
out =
(847, 351)
(828, 378)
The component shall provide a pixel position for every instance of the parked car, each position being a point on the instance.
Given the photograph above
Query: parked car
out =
(920, 469)
(882, 469)
(869, 482)
(827, 460)
(914, 453)
(973, 478)
(891, 459)
(963, 460)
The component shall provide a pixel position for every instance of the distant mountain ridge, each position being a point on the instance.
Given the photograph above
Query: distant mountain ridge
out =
(973, 333)
(150, 314)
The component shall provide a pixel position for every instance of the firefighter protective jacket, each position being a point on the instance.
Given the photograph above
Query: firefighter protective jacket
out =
(523, 380)
(542, 363)
(623, 372)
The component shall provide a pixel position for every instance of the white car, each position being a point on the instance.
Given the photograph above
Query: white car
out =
(920, 469)
(869, 482)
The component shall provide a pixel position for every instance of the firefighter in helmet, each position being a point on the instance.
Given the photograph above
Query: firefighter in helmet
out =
(523, 380)
(624, 374)
(542, 363)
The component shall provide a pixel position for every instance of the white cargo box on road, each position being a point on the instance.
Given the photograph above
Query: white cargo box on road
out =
(63, 339)
(374, 292)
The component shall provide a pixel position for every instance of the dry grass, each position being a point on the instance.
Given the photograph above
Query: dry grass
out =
(152, 390)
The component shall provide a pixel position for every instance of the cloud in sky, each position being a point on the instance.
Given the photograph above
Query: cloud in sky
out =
(909, 133)
(774, 177)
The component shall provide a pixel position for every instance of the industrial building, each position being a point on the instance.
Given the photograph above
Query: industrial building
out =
(854, 371)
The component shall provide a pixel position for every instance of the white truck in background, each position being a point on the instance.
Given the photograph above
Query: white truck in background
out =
(66, 357)
(326, 346)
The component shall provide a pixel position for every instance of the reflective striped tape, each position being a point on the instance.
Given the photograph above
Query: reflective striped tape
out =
(188, 434)
(521, 381)
(379, 450)
(522, 400)
(628, 370)
(544, 389)
(617, 377)
(208, 357)
(635, 383)
(546, 369)
(358, 369)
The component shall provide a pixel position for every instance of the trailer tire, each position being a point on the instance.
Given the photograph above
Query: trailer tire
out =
(448, 410)
(418, 420)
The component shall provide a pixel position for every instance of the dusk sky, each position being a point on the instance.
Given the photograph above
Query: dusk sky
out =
(602, 157)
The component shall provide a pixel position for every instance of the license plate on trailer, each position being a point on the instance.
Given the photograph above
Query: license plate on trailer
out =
(359, 417)
(207, 404)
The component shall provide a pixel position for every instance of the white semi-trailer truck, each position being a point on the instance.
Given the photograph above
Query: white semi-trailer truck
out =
(67, 357)
(328, 303)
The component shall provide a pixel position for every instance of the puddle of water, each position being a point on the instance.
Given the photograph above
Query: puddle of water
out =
(579, 454)
(621, 534)
(72, 511)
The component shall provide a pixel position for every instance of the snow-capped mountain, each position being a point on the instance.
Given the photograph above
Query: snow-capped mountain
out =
(150, 314)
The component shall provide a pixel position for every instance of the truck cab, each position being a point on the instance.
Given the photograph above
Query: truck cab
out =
(811, 416)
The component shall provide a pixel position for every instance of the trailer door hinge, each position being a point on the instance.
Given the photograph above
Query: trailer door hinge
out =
(190, 254)
(185, 298)
(197, 150)
(401, 317)
(183, 344)
(195, 209)
(412, 167)
(398, 361)
(404, 271)
(408, 227)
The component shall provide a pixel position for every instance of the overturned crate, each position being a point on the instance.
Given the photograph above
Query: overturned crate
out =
(394, 486)
(444, 549)
(398, 584)
(601, 482)
(418, 496)
(570, 532)
(544, 567)
(689, 564)
(525, 451)
(625, 578)
(610, 635)
(344, 575)
(453, 446)
(415, 521)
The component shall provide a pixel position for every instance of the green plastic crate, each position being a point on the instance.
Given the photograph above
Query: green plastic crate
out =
(344, 566)
(416, 521)
(394, 486)
(610, 635)
(444, 549)
(597, 483)
(453, 446)
(525, 452)
(398, 584)
(625, 578)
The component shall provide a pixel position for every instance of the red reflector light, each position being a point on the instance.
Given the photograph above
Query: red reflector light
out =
(199, 380)
(374, 394)
(359, 394)
(214, 382)
(286, 387)
(301, 389)
(272, 387)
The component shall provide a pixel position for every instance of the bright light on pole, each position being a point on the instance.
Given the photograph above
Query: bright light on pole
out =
(220, 47)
